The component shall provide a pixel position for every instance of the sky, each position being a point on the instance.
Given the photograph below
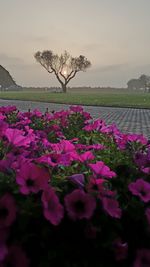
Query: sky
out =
(113, 34)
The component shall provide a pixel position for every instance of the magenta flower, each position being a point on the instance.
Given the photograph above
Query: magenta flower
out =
(88, 147)
(17, 138)
(140, 188)
(96, 125)
(7, 210)
(142, 258)
(147, 213)
(100, 169)
(7, 109)
(76, 108)
(15, 257)
(146, 170)
(46, 159)
(80, 205)
(96, 185)
(64, 146)
(53, 210)
(137, 138)
(86, 156)
(31, 178)
(3, 127)
(111, 206)
(120, 249)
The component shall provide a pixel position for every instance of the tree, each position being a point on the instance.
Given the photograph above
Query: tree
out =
(146, 81)
(143, 82)
(65, 67)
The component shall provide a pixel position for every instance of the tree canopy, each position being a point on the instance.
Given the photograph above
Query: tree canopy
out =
(65, 67)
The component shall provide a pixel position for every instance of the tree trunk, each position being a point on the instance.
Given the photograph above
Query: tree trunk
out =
(64, 88)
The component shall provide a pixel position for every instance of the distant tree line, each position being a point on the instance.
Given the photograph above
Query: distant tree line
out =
(142, 83)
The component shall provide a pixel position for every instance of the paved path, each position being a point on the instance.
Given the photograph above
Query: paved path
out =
(127, 119)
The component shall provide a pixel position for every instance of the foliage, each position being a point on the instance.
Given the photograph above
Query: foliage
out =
(73, 191)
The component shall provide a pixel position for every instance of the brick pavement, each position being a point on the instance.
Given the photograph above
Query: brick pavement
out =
(128, 120)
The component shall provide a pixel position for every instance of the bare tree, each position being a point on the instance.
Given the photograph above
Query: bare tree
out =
(65, 67)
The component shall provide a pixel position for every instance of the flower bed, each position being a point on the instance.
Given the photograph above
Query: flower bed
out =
(74, 192)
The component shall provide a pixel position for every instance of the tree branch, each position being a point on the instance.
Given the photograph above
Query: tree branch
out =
(45, 67)
(71, 77)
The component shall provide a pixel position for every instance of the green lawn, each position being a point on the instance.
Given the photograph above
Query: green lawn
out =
(103, 98)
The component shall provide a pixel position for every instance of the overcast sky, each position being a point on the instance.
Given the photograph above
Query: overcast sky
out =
(113, 34)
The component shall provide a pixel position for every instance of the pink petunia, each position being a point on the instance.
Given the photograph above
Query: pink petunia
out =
(86, 156)
(46, 159)
(111, 206)
(80, 205)
(96, 125)
(31, 178)
(137, 138)
(142, 258)
(141, 189)
(7, 210)
(146, 170)
(52, 208)
(76, 108)
(96, 185)
(17, 138)
(100, 169)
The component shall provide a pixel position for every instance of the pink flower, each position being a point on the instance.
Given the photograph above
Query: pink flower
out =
(140, 188)
(111, 206)
(8, 109)
(15, 257)
(17, 138)
(76, 108)
(137, 138)
(46, 159)
(147, 213)
(142, 258)
(146, 170)
(3, 127)
(96, 125)
(7, 210)
(96, 185)
(32, 178)
(64, 146)
(120, 249)
(80, 205)
(53, 210)
(86, 156)
(100, 169)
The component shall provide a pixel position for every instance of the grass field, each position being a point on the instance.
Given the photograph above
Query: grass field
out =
(116, 98)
